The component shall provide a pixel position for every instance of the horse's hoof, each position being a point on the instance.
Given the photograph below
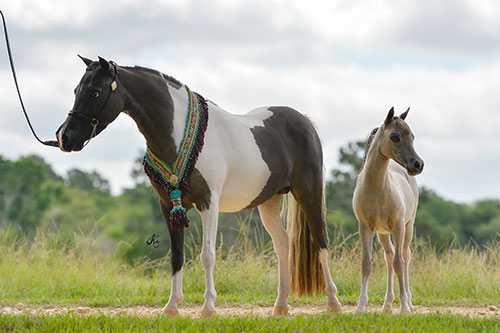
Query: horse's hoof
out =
(387, 309)
(170, 313)
(360, 309)
(336, 308)
(280, 311)
(208, 313)
(405, 310)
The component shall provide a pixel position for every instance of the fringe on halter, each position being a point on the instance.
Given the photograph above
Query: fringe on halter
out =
(175, 179)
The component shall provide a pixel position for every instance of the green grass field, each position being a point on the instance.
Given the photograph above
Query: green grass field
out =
(79, 273)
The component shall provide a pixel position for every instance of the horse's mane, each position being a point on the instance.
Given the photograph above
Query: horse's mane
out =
(368, 145)
(176, 83)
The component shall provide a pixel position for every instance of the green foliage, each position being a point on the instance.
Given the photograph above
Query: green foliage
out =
(439, 221)
(32, 195)
(91, 271)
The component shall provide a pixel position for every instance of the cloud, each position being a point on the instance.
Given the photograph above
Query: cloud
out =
(343, 63)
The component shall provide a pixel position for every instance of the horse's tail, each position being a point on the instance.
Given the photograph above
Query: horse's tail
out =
(306, 275)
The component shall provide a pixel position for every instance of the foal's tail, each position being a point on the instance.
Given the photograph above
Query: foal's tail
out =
(306, 276)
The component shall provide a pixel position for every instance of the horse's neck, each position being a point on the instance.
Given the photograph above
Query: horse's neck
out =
(376, 168)
(158, 110)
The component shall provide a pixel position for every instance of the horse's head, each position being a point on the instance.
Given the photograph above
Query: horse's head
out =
(97, 103)
(397, 143)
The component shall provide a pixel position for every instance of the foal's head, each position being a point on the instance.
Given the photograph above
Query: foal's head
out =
(396, 142)
(97, 103)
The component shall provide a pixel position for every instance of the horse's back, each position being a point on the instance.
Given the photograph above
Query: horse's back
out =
(261, 152)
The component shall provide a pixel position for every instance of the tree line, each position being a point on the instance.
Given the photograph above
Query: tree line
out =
(34, 197)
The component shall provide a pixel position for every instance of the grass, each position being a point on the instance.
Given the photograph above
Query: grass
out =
(358, 323)
(47, 270)
(82, 272)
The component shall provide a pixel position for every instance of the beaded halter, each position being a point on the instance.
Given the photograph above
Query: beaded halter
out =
(175, 178)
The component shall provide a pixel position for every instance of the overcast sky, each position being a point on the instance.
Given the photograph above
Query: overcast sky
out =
(344, 63)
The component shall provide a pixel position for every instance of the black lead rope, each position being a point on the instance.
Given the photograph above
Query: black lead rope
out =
(51, 143)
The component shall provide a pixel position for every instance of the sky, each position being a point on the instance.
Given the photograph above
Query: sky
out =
(343, 63)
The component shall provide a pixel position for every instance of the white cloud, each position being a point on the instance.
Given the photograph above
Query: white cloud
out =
(343, 63)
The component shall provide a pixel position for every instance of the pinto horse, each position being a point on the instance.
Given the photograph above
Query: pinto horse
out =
(385, 203)
(249, 160)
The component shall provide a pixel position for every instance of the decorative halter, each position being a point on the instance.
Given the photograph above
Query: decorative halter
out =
(175, 178)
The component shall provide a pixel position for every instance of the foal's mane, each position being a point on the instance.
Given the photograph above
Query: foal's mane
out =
(369, 142)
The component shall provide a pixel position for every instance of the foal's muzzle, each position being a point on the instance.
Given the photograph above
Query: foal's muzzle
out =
(415, 167)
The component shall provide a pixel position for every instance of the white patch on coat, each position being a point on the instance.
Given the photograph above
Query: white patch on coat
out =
(230, 161)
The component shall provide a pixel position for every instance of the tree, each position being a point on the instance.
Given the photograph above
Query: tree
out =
(87, 181)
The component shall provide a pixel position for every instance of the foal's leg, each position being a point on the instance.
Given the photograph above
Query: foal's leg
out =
(177, 260)
(399, 239)
(270, 215)
(407, 259)
(366, 237)
(209, 219)
(385, 241)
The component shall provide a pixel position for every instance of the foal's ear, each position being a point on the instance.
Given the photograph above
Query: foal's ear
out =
(390, 116)
(404, 114)
(87, 61)
(104, 64)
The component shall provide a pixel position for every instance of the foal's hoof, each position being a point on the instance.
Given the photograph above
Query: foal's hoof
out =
(360, 309)
(170, 313)
(335, 308)
(208, 313)
(387, 310)
(280, 311)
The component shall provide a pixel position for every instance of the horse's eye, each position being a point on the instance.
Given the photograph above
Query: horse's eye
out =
(395, 137)
(93, 93)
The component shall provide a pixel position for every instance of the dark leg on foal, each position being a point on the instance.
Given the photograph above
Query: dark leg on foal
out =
(177, 260)
(366, 237)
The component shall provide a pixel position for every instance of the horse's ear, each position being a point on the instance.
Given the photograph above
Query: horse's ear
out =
(87, 61)
(404, 114)
(390, 116)
(104, 64)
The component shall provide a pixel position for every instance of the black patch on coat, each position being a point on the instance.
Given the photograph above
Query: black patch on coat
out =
(291, 148)
(176, 240)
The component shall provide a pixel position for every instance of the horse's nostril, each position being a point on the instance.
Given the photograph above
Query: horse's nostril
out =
(417, 165)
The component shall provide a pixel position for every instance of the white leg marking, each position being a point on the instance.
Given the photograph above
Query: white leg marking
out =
(176, 296)
(209, 220)
(270, 216)
(330, 288)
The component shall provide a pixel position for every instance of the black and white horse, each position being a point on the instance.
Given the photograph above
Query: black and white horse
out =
(249, 160)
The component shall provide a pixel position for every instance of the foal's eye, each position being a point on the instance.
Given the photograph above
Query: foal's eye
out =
(395, 137)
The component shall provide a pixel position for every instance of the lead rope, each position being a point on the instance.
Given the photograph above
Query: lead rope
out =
(51, 143)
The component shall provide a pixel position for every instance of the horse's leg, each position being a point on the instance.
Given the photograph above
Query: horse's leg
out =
(310, 199)
(399, 238)
(177, 260)
(385, 241)
(270, 214)
(209, 220)
(407, 259)
(366, 237)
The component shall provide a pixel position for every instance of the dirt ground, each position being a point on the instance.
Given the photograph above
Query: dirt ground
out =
(194, 311)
